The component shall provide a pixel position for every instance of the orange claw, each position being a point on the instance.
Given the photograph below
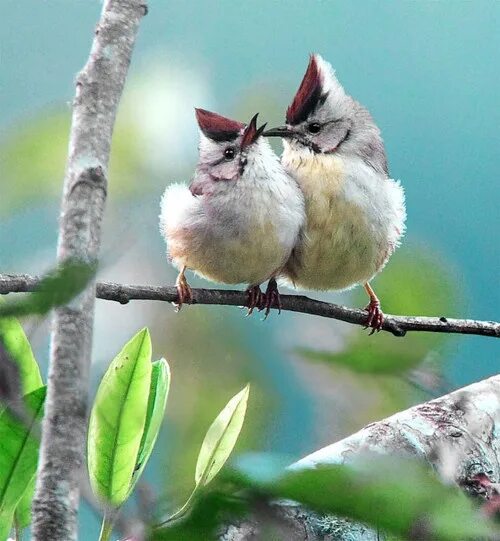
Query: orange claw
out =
(375, 318)
(184, 292)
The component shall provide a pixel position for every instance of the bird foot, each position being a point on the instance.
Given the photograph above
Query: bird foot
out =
(375, 318)
(184, 292)
(254, 298)
(271, 298)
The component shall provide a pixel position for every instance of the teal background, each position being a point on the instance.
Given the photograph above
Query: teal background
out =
(429, 72)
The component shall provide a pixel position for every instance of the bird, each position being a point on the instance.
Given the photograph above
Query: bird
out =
(355, 213)
(239, 219)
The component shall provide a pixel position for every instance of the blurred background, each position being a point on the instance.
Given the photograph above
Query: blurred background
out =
(428, 72)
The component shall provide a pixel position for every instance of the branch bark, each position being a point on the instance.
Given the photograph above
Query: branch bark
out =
(397, 325)
(98, 90)
(458, 434)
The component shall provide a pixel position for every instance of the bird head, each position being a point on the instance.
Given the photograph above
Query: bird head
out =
(226, 145)
(321, 117)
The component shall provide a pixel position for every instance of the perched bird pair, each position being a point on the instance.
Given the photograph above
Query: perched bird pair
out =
(327, 217)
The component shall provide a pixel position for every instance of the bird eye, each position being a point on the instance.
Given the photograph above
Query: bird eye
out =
(314, 127)
(229, 153)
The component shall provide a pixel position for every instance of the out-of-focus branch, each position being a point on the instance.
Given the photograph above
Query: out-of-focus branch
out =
(397, 325)
(457, 434)
(98, 90)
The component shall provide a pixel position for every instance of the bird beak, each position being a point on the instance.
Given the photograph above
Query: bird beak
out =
(252, 133)
(280, 131)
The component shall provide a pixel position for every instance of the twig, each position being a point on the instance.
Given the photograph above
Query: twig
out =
(397, 325)
(98, 90)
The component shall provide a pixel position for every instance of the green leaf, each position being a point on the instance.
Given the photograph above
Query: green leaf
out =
(6, 520)
(55, 289)
(389, 356)
(158, 394)
(395, 495)
(221, 438)
(17, 346)
(23, 510)
(117, 420)
(19, 450)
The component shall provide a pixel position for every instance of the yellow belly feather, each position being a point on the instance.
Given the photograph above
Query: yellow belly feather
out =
(338, 250)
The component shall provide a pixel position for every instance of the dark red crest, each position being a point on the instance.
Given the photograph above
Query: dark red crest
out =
(251, 132)
(217, 127)
(309, 95)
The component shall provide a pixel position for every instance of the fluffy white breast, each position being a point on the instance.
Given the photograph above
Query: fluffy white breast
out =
(244, 231)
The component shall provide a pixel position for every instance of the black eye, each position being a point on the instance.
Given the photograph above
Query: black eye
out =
(229, 153)
(314, 127)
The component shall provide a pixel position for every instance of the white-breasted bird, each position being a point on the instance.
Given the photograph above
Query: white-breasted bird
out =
(355, 212)
(241, 216)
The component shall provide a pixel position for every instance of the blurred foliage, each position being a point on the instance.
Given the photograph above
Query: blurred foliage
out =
(401, 497)
(414, 283)
(400, 370)
(33, 158)
(56, 288)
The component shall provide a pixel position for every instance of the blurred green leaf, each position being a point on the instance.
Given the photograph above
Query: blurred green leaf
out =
(415, 282)
(22, 515)
(221, 438)
(388, 357)
(34, 155)
(19, 450)
(19, 349)
(55, 289)
(158, 395)
(396, 495)
(117, 420)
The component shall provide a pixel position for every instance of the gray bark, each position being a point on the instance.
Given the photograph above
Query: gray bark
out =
(397, 325)
(458, 434)
(98, 90)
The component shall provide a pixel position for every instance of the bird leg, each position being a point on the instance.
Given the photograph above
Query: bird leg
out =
(271, 298)
(375, 315)
(254, 298)
(184, 292)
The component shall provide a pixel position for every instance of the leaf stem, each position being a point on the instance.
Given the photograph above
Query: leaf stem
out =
(180, 512)
(18, 532)
(106, 528)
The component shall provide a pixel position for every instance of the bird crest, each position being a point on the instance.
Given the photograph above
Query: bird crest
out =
(217, 127)
(251, 132)
(309, 95)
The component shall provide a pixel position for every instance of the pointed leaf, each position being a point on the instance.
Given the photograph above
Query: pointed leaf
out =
(158, 394)
(19, 450)
(117, 420)
(23, 510)
(17, 346)
(221, 438)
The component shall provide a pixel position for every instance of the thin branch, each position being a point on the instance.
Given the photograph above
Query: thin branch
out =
(98, 90)
(397, 325)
